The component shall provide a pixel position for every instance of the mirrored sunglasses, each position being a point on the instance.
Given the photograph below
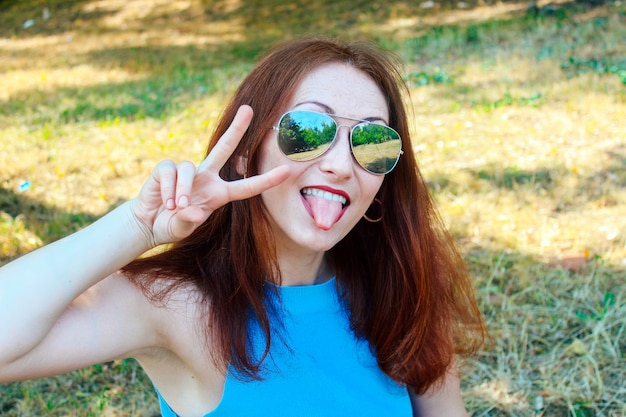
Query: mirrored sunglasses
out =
(304, 135)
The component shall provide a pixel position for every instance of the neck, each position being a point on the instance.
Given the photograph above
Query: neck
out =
(304, 270)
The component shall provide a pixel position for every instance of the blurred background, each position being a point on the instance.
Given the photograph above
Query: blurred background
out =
(518, 114)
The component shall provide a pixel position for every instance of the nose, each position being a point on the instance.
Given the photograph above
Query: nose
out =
(338, 159)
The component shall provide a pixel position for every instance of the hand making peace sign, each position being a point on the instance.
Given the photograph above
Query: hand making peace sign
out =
(177, 198)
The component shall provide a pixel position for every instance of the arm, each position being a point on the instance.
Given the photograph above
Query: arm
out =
(440, 400)
(37, 289)
(63, 306)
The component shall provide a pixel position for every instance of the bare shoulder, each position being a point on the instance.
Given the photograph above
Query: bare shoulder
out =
(180, 308)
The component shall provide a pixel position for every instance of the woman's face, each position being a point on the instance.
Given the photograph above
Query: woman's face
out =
(324, 198)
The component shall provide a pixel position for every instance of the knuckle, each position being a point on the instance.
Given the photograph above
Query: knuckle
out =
(186, 165)
(165, 168)
(167, 163)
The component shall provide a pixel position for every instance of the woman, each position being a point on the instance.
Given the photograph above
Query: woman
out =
(309, 272)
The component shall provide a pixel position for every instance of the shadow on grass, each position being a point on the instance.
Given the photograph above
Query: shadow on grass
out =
(63, 16)
(611, 175)
(513, 177)
(47, 223)
(288, 16)
(172, 76)
(169, 79)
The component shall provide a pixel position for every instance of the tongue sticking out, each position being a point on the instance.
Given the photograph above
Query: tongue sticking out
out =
(325, 212)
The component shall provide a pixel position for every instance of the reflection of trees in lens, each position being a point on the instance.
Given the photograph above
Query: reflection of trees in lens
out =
(290, 136)
(298, 135)
(319, 134)
(372, 133)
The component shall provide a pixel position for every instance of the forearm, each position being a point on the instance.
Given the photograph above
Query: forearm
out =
(36, 288)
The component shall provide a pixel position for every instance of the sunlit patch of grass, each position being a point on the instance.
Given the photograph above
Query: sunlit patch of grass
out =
(22, 81)
(15, 238)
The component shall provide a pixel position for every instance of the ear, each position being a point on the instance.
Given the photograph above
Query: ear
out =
(241, 165)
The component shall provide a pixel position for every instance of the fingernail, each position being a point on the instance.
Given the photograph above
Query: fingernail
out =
(170, 204)
(183, 201)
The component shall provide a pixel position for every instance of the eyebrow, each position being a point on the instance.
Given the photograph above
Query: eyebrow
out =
(329, 110)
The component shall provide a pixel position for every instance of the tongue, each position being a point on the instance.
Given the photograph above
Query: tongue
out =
(324, 212)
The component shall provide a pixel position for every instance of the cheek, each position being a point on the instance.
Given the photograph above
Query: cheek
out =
(371, 185)
(269, 154)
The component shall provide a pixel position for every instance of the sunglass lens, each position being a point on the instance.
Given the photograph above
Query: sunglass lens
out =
(304, 135)
(376, 147)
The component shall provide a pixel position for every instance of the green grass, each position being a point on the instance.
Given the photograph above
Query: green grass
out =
(117, 389)
(518, 120)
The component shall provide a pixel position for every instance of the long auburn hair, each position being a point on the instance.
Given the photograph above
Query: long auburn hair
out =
(403, 280)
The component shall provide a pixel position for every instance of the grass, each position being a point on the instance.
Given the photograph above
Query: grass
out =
(518, 119)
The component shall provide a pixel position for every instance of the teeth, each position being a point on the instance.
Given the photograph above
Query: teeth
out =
(325, 194)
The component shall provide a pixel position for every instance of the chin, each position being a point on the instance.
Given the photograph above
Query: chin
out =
(321, 244)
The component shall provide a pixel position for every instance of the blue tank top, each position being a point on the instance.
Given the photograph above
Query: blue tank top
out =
(321, 370)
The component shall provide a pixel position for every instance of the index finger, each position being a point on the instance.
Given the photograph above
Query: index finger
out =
(228, 142)
(255, 185)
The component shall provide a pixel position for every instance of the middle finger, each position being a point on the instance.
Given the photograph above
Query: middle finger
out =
(226, 144)
(185, 172)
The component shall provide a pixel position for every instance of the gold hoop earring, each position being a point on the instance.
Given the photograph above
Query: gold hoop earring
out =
(380, 212)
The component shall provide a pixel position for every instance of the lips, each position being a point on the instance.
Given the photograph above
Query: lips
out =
(325, 205)
(327, 195)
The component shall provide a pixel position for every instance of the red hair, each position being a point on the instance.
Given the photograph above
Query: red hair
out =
(405, 284)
